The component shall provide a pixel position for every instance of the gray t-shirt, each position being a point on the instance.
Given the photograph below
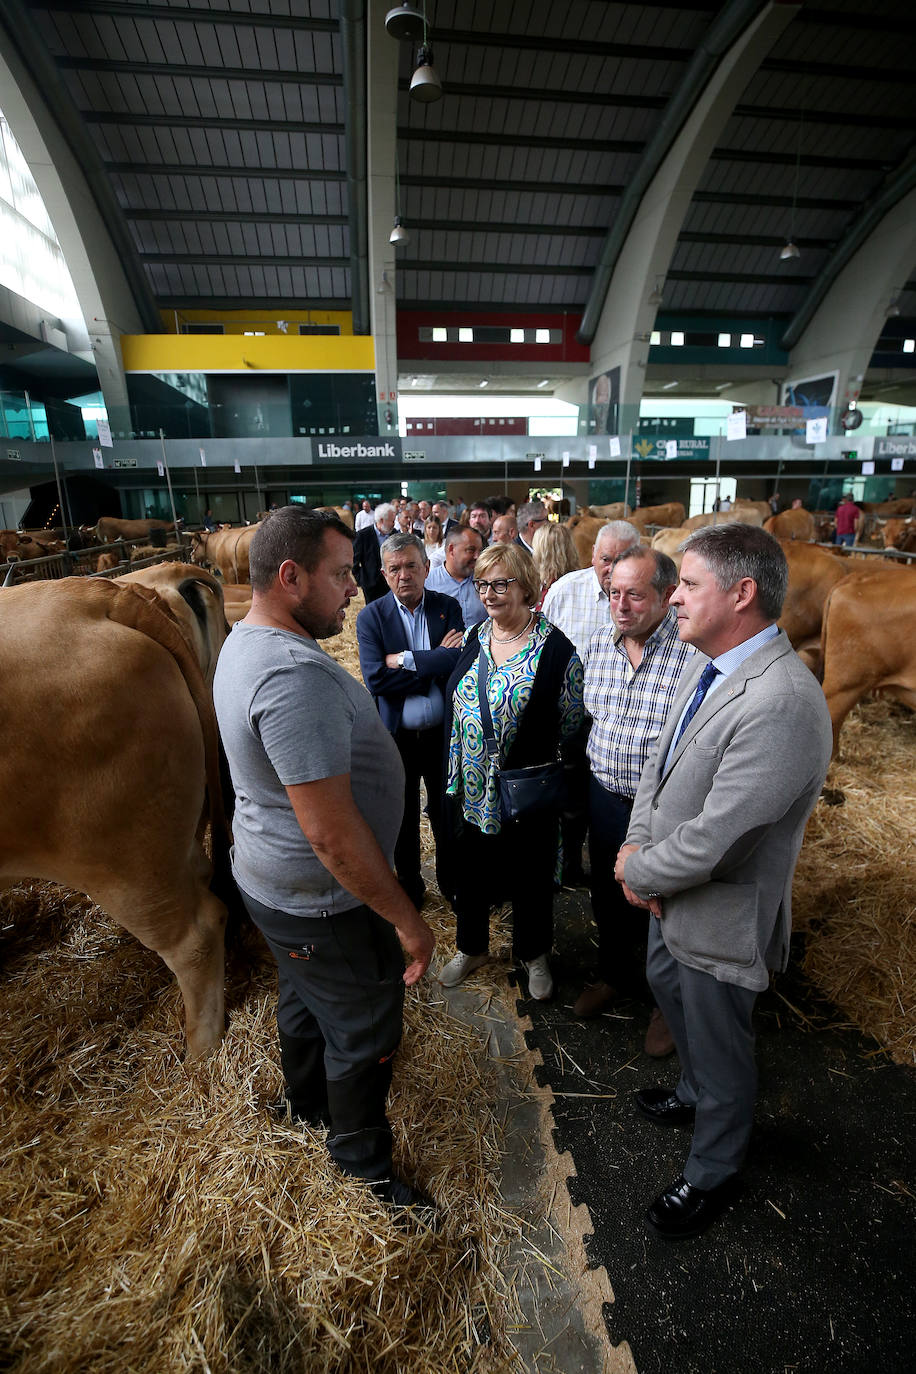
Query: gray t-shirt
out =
(289, 714)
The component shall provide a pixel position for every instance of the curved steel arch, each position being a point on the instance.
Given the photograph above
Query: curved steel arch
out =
(898, 186)
(736, 16)
(105, 247)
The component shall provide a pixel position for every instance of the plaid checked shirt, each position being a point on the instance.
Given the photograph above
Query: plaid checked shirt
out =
(577, 605)
(628, 706)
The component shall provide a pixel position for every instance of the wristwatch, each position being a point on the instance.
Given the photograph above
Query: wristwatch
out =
(401, 657)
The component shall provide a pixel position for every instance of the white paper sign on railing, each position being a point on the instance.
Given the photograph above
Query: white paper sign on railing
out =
(816, 430)
(736, 425)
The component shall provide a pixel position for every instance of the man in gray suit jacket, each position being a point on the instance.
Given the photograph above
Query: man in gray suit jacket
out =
(716, 828)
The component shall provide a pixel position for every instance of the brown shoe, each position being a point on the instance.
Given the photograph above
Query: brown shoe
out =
(593, 999)
(659, 1040)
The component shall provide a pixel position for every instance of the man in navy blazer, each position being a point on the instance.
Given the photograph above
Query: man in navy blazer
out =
(408, 645)
(367, 559)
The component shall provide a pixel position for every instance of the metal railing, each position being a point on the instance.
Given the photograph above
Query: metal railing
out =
(82, 562)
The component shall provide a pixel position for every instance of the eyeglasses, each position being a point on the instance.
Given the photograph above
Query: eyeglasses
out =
(499, 585)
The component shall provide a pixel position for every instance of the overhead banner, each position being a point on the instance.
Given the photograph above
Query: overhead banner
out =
(895, 446)
(344, 448)
(663, 449)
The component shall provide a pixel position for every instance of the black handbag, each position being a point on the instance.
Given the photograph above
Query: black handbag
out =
(522, 791)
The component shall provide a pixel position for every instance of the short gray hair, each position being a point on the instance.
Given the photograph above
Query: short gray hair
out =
(383, 510)
(665, 574)
(621, 530)
(528, 512)
(733, 551)
(399, 541)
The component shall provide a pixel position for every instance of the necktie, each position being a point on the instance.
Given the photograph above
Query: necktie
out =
(707, 677)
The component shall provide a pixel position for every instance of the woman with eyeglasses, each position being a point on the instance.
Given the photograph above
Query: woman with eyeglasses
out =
(533, 697)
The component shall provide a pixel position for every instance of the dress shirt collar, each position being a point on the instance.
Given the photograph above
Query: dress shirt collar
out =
(732, 659)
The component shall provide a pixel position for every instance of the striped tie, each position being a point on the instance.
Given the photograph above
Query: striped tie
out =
(707, 677)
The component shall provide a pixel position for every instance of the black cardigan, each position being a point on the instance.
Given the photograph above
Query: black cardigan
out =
(538, 736)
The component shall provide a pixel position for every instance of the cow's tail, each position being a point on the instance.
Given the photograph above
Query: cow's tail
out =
(825, 617)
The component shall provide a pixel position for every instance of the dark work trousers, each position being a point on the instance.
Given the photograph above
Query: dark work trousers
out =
(421, 754)
(621, 928)
(712, 1025)
(517, 864)
(339, 1017)
(576, 778)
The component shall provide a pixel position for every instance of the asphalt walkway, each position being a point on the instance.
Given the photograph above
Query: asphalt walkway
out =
(813, 1269)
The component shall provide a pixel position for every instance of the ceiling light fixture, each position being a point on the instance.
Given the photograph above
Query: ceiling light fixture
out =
(669, 386)
(545, 382)
(483, 383)
(399, 235)
(425, 85)
(405, 23)
(790, 248)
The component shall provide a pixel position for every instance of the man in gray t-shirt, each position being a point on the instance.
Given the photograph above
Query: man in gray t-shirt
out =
(319, 792)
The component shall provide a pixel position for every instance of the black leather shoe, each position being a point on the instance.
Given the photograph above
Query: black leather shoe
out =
(682, 1211)
(664, 1108)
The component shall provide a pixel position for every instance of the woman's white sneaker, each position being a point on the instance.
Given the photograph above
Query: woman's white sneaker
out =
(540, 979)
(457, 969)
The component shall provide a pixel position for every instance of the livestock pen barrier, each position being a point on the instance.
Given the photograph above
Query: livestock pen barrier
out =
(82, 562)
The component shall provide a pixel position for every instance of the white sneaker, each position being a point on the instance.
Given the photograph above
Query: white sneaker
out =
(540, 979)
(457, 969)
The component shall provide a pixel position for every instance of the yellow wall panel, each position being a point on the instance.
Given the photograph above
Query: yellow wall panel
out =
(239, 353)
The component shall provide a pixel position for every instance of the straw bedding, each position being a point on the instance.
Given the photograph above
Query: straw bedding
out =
(155, 1217)
(855, 886)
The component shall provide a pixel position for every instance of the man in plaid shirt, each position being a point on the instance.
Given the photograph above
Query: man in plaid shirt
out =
(632, 670)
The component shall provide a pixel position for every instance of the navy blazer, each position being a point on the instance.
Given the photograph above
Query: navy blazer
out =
(367, 563)
(380, 631)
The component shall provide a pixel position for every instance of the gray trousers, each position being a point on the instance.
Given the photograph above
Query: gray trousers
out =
(712, 1025)
(339, 1017)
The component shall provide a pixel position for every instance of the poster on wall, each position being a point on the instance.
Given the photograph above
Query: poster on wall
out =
(814, 395)
(604, 402)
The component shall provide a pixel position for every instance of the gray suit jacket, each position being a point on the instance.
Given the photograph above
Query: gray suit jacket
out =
(720, 831)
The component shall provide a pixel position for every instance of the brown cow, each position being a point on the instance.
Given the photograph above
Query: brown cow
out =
(671, 515)
(792, 524)
(900, 534)
(584, 530)
(106, 561)
(867, 640)
(225, 549)
(237, 601)
(196, 599)
(144, 724)
(813, 573)
(617, 510)
(902, 505)
(669, 541)
(761, 508)
(109, 528)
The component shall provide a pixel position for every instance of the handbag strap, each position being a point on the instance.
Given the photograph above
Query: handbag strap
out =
(486, 720)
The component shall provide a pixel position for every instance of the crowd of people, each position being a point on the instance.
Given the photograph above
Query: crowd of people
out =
(664, 717)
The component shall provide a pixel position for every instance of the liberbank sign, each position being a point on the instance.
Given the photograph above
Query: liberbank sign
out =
(345, 448)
